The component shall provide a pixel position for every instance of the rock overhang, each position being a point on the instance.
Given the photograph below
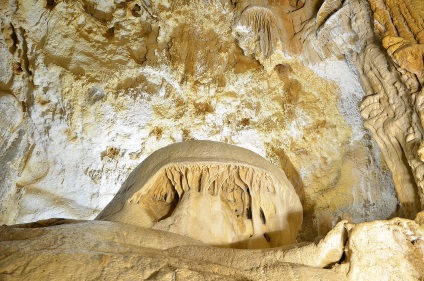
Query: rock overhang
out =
(215, 192)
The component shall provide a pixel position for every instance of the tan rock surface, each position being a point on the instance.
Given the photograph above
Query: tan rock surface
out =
(88, 89)
(69, 250)
(109, 250)
(392, 104)
(214, 192)
(389, 250)
(392, 100)
(400, 25)
(101, 85)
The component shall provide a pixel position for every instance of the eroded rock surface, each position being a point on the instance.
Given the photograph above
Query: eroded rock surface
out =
(382, 40)
(390, 250)
(100, 85)
(214, 192)
(112, 250)
(392, 100)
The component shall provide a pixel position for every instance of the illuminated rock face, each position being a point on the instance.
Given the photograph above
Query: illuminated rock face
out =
(393, 90)
(113, 250)
(383, 39)
(395, 252)
(100, 85)
(214, 192)
(91, 88)
(389, 250)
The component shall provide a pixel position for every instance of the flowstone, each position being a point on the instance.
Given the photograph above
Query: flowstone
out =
(214, 192)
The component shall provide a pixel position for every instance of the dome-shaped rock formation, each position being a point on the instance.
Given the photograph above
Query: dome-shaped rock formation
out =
(214, 192)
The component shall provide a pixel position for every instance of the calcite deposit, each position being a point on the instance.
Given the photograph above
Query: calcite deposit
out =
(69, 250)
(392, 107)
(214, 192)
(113, 250)
(330, 92)
(101, 85)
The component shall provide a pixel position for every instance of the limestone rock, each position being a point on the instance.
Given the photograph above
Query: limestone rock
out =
(419, 219)
(392, 86)
(103, 84)
(14, 149)
(113, 250)
(326, 253)
(258, 31)
(114, 81)
(213, 192)
(400, 25)
(56, 248)
(391, 250)
(389, 105)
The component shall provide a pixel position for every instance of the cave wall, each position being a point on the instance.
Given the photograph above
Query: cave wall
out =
(90, 88)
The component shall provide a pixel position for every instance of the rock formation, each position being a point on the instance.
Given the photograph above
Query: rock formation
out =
(398, 83)
(214, 192)
(390, 250)
(329, 91)
(101, 85)
(191, 189)
(112, 250)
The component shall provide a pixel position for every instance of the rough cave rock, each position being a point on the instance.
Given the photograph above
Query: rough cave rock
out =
(214, 192)
(383, 250)
(329, 91)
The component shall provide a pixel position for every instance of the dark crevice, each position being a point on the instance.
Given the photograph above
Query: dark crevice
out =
(262, 215)
(267, 238)
(136, 10)
(24, 55)
(110, 33)
(343, 258)
(121, 5)
(24, 107)
(171, 206)
(248, 213)
(18, 67)
(50, 4)
(14, 38)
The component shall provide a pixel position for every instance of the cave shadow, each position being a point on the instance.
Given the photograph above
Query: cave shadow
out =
(293, 176)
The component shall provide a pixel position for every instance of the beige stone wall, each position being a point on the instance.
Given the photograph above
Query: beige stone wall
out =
(69, 250)
(91, 88)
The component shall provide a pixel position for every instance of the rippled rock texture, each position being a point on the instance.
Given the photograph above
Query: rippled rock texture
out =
(214, 192)
(57, 249)
(91, 88)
